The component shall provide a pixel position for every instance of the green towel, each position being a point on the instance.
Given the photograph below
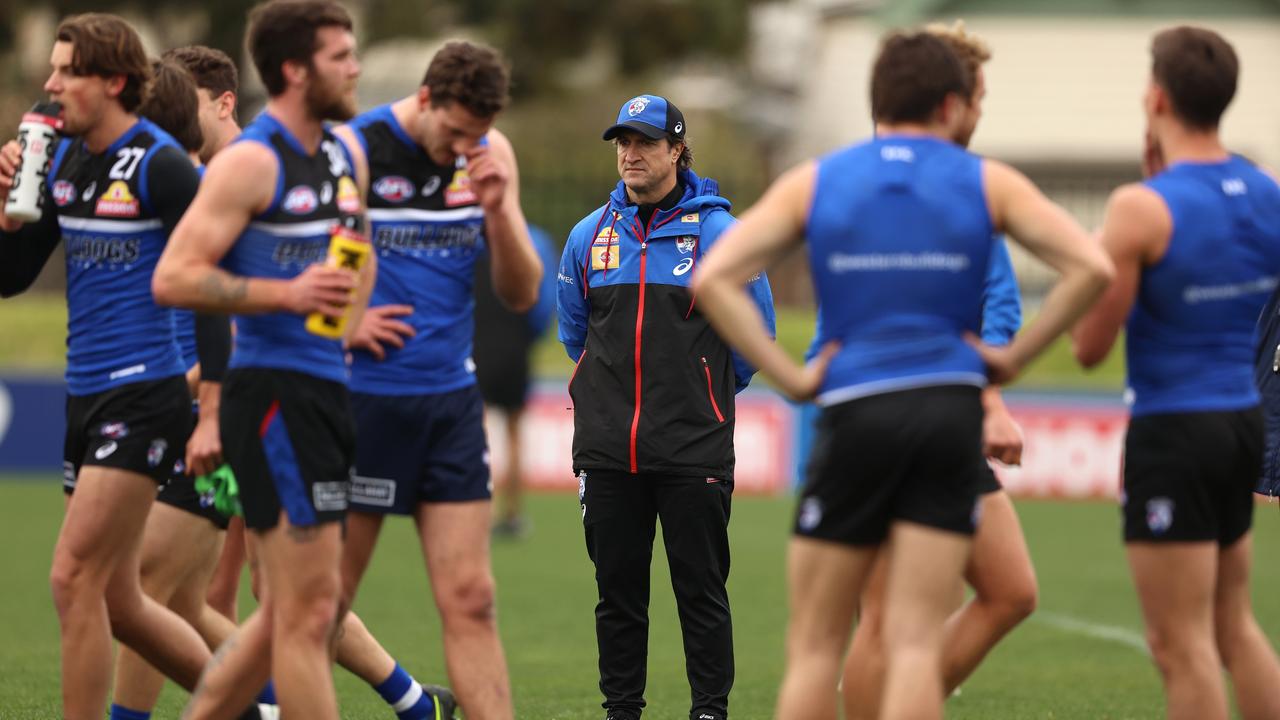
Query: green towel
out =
(226, 491)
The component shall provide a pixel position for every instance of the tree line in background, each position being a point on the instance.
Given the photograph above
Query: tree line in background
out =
(566, 171)
(537, 35)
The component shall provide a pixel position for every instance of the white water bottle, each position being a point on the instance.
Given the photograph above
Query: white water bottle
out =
(38, 136)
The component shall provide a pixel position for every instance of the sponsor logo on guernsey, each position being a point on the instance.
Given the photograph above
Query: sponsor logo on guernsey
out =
(326, 192)
(330, 496)
(92, 188)
(637, 106)
(690, 218)
(459, 190)
(395, 188)
(300, 200)
(117, 201)
(114, 430)
(686, 243)
(431, 186)
(373, 491)
(348, 196)
(1160, 515)
(685, 266)
(155, 453)
(1234, 186)
(64, 193)
(605, 251)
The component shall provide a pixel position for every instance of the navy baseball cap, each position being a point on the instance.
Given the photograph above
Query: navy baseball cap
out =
(650, 115)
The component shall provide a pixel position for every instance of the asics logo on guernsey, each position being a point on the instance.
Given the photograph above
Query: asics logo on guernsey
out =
(684, 267)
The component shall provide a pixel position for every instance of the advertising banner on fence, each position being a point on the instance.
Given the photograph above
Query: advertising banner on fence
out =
(32, 424)
(1071, 447)
(1073, 442)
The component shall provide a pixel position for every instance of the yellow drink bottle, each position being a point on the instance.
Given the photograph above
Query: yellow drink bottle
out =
(349, 250)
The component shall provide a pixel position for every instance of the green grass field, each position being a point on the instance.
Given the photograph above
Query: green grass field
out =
(1076, 658)
(40, 320)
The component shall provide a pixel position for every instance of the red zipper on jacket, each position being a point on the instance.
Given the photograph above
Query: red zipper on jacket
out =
(635, 417)
(643, 235)
(710, 393)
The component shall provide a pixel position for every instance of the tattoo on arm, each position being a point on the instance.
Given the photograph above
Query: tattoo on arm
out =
(223, 288)
(219, 657)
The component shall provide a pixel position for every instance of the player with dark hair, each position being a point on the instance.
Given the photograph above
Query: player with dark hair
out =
(116, 188)
(254, 244)
(899, 231)
(444, 189)
(999, 569)
(1197, 252)
(183, 536)
(217, 87)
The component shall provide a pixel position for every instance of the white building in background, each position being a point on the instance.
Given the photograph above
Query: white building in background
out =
(1064, 85)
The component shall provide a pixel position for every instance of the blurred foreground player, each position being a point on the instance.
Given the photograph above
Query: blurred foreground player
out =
(254, 244)
(999, 569)
(116, 188)
(1197, 251)
(899, 231)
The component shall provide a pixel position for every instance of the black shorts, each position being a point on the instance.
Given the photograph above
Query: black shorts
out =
(419, 448)
(1189, 477)
(290, 440)
(989, 482)
(913, 455)
(141, 427)
(503, 375)
(180, 492)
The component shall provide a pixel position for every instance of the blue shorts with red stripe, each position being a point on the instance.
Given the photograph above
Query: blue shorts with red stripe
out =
(290, 439)
(419, 449)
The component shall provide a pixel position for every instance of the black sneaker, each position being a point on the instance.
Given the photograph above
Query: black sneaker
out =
(513, 528)
(445, 703)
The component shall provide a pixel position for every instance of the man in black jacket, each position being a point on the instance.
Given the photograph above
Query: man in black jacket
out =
(653, 396)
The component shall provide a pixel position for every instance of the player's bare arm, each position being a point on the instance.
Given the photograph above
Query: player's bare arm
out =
(514, 263)
(1135, 231)
(204, 447)
(1018, 208)
(1001, 436)
(764, 235)
(238, 185)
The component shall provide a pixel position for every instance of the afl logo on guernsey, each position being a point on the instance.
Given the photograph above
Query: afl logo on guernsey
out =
(301, 200)
(394, 188)
(64, 193)
(117, 201)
